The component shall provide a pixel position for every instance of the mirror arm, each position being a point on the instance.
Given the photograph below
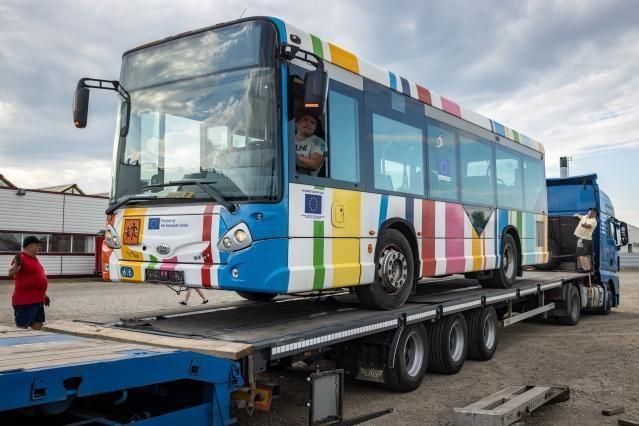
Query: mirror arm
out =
(94, 83)
(290, 52)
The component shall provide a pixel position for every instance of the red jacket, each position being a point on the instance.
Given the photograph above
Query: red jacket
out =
(30, 282)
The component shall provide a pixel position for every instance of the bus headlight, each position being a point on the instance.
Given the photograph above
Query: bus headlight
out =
(111, 238)
(236, 238)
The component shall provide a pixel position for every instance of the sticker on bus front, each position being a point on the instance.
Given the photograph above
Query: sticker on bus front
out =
(131, 231)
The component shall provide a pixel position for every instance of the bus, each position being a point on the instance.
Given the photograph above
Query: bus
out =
(209, 187)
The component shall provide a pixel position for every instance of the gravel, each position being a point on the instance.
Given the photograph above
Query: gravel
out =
(598, 359)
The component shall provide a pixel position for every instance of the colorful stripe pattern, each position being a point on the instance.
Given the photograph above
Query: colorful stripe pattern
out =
(348, 61)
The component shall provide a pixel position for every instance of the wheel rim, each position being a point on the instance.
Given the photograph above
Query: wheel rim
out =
(456, 342)
(509, 261)
(414, 354)
(489, 332)
(393, 270)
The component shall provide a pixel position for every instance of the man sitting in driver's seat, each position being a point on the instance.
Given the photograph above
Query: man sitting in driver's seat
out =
(309, 147)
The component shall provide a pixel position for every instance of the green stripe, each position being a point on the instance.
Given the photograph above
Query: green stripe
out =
(153, 261)
(515, 136)
(318, 254)
(318, 49)
(519, 224)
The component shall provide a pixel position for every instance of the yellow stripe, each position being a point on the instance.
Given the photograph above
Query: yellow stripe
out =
(343, 58)
(137, 272)
(346, 263)
(477, 257)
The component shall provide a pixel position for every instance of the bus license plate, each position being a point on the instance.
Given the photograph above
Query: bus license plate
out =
(160, 276)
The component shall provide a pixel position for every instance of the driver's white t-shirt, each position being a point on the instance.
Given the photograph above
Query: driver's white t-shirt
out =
(308, 146)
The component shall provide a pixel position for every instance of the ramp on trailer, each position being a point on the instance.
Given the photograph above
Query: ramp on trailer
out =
(290, 326)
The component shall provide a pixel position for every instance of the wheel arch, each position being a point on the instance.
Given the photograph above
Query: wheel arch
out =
(408, 231)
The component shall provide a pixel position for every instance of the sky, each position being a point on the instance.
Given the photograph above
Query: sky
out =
(565, 73)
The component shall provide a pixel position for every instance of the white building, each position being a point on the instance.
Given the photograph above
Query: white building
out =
(67, 222)
(629, 254)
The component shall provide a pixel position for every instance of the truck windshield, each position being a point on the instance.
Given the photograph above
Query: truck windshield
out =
(202, 108)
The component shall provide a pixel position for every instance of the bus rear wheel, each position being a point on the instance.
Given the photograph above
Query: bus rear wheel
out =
(505, 276)
(394, 273)
(255, 296)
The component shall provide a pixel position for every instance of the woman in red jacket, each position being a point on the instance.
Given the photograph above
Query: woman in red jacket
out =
(30, 293)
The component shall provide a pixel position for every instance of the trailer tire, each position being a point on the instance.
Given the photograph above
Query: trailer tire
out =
(448, 344)
(574, 308)
(394, 273)
(483, 333)
(411, 360)
(255, 296)
(505, 275)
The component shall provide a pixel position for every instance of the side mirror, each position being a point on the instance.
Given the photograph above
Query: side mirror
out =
(125, 117)
(623, 230)
(80, 106)
(315, 83)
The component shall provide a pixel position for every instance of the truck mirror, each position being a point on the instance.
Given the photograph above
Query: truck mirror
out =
(623, 230)
(315, 90)
(80, 106)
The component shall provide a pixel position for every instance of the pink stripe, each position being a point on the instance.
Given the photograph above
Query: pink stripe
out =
(169, 264)
(450, 107)
(455, 261)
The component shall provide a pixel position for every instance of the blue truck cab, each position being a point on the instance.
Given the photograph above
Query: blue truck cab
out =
(575, 195)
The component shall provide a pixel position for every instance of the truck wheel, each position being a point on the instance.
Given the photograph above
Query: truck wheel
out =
(448, 344)
(505, 276)
(607, 305)
(553, 261)
(394, 270)
(255, 296)
(574, 309)
(483, 333)
(411, 360)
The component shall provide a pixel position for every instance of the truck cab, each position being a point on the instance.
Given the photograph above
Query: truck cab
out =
(575, 195)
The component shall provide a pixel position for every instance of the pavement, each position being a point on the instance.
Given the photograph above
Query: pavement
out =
(598, 359)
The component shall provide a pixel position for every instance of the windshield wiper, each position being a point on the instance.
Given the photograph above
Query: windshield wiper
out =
(204, 185)
(125, 200)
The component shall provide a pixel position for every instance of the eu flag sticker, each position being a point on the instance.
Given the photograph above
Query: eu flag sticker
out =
(312, 204)
(154, 223)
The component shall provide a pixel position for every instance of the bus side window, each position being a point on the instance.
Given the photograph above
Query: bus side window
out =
(342, 159)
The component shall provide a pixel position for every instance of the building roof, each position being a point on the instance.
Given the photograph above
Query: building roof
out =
(348, 61)
(71, 188)
(4, 182)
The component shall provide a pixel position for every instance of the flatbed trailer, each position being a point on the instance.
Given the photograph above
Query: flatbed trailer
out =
(217, 351)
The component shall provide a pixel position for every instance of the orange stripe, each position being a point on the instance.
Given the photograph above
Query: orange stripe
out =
(343, 58)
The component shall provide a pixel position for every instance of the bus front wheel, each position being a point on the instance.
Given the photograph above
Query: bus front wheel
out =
(394, 273)
(505, 276)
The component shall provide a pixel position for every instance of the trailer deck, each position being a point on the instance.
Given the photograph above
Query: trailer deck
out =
(282, 328)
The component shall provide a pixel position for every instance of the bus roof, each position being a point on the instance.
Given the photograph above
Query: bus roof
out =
(348, 61)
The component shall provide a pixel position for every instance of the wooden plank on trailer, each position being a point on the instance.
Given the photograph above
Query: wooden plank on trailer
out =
(222, 349)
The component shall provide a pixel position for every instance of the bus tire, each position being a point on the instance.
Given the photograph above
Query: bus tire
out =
(505, 276)
(411, 360)
(574, 309)
(448, 344)
(255, 296)
(553, 260)
(483, 333)
(394, 271)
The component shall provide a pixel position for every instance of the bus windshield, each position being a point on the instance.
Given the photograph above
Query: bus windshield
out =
(202, 109)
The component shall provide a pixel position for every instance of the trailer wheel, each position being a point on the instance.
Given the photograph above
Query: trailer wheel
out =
(574, 309)
(448, 344)
(394, 270)
(505, 275)
(255, 296)
(483, 333)
(411, 360)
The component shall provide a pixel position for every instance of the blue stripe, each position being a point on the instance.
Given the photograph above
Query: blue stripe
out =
(410, 210)
(383, 211)
(498, 128)
(405, 86)
(393, 80)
